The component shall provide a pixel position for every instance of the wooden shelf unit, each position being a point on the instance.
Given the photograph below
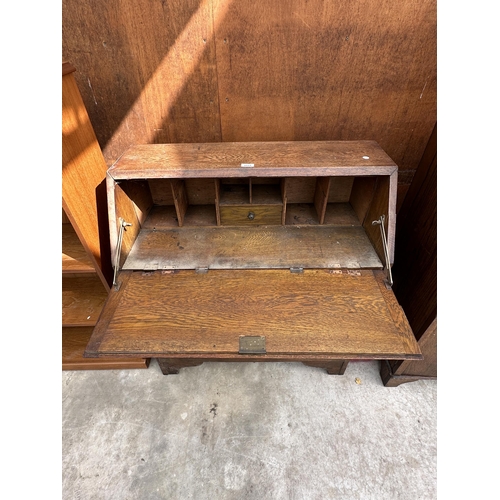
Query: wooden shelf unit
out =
(86, 274)
(215, 251)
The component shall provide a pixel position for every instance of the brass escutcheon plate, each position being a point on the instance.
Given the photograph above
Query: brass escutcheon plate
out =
(252, 344)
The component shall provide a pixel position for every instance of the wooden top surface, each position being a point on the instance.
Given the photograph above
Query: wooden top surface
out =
(269, 159)
(343, 315)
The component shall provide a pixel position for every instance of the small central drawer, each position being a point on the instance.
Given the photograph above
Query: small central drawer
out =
(250, 215)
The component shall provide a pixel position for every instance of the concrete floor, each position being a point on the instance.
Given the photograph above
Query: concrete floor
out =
(247, 431)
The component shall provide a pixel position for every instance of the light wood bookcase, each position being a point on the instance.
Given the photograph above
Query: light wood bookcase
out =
(86, 269)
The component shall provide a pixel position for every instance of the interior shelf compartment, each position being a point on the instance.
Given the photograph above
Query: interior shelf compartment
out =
(258, 247)
(337, 214)
(83, 297)
(74, 342)
(74, 256)
(177, 202)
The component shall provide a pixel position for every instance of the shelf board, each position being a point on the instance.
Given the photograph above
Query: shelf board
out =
(337, 214)
(83, 298)
(257, 247)
(74, 257)
(74, 341)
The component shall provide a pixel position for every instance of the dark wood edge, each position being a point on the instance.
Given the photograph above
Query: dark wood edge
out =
(335, 367)
(67, 68)
(391, 380)
(105, 364)
(391, 222)
(113, 300)
(428, 158)
(152, 172)
(170, 366)
(298, 358)
(400, 320)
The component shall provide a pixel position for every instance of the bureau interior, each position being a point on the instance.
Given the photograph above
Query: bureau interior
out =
(250, 222)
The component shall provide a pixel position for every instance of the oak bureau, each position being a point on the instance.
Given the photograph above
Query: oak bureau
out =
(256, 251)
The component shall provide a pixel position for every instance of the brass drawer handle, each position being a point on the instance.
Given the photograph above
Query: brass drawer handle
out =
(251, 216)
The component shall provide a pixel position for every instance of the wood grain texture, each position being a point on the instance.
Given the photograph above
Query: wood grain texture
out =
(340, 189)
(300, 189)
(415, 272)
(107, 314)
(200, 191)
(391, 380)
(266, 194)
(428, 367)
(180, 199)
(342, 316)
(122, 207)
(235, 194)
(161, 191)
(193, 71)
(147, 70)
(284, 197)
(74, 256)
(74, 341)
(322, 70)
(250, 215)
(340, 214)
(380, 205)
(363, 189)
(321, 197)
(138, 191)
(336, 214)
(270, 159)
(253, 247)
(395, 373)
(83, 172)
(82, 300)
(396, 311)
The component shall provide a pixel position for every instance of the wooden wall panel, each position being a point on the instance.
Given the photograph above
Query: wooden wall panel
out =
(146, 70)
(239, 70)
(323, 69)
(415, 271)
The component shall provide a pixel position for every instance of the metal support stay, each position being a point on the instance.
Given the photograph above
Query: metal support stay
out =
(123, 225)
(380, 222)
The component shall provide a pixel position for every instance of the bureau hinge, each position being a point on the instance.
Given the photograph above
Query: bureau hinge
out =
(380, 222)
(296, 270)
(201, 270)
(123, 225)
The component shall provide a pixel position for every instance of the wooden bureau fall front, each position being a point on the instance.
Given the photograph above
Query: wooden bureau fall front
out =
(257, 251)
